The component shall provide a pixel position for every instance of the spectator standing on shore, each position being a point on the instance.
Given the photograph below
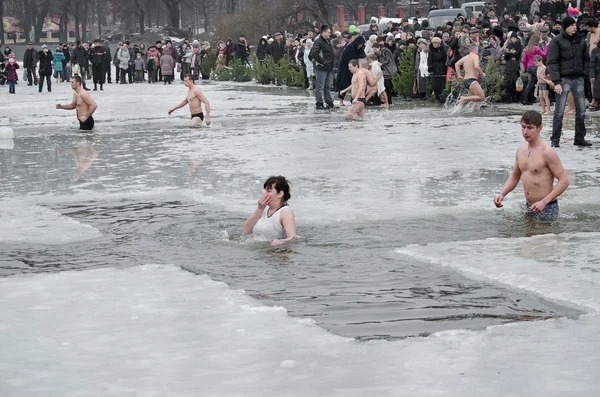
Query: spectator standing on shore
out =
(568, 62)
(30, 59)
(322, 55)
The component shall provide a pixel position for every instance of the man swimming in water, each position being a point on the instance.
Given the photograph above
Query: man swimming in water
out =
(537, 164)
(83, 103)
(195, 98)
(359, 89)
(470, 63)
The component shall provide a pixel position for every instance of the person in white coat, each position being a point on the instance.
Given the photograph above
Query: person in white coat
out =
(310, 68)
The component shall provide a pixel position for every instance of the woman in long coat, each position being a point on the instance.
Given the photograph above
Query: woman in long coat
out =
(352, 51)
(436, 63)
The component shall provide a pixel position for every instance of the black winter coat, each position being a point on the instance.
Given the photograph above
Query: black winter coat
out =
(351, 51)
(30, 58)
(322, 54)
(277, 50)
(97, 55)
(568, 56)
(263, 49)
(436, 63)
(46, 61)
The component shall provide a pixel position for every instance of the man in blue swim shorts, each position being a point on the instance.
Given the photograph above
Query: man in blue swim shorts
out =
(536, 165)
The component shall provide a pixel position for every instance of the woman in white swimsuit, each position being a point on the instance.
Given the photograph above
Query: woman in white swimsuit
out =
(273, 219)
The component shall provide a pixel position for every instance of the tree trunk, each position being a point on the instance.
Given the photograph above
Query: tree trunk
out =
(99, 16)
(27, 19)
(173, 10)
(39, 19)
(84, 21)
(77, 30)
(1, 21)
(141, 14)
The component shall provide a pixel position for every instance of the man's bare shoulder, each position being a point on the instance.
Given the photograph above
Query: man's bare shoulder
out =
(549, 153)
(196, 90)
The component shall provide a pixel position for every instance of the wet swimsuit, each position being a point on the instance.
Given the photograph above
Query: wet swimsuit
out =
(87, 125)
(543, 86)
(201, 115)
(548, 214)
(468, 83)
(363, 100)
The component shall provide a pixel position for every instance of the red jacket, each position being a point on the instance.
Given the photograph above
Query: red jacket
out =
(11, 70)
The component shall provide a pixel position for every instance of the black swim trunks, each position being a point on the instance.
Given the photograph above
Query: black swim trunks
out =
(363, 100)
(201, 115)
(468, 83)
(87, 125)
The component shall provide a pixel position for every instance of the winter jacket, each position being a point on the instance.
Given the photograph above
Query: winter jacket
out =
(131, 56)
(322, 54)
(310, 69)
(351, 51)
(152, 50)
(568, 56)
(116, 57)
(97, 55)
(388, 63)
(139, 64)
(595, 64)
(46, 59)
(123, 57)
(277, 50)
(167, 64)
(58, 58)
(30, 58)
(11, 70)
(107, 57)
(242, 50)
(436, 61)
(263, 49)
(528, 56)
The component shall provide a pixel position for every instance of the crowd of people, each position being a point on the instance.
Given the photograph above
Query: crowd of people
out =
(132, 63)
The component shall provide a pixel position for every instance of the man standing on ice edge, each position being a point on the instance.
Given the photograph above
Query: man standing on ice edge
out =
(568, 63)
(322, 54)
(98, 56)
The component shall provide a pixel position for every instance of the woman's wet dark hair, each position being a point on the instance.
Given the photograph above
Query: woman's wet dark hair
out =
(281, 185)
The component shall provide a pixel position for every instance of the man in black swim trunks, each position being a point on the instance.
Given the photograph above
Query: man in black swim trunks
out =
(358, 88)
(83, 103)
(195, 98)
(470, 63)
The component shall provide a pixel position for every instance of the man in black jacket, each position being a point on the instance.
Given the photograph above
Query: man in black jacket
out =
(568, 63)
(97, 56)
(107, 60)
(322, 55)
(277, 47)
(29, 61)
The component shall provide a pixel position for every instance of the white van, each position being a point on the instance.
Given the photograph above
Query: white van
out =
(473, 8)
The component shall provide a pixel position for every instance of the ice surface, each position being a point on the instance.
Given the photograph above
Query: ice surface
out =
(157, 331)
(27, 223)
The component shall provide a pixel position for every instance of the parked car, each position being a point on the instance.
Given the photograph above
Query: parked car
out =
(473, 8)
(440, 17)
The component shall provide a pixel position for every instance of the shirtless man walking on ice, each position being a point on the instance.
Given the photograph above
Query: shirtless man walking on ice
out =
(470, 63)
(537, 165)
(195, 98)
(83, 103)
(358, 88)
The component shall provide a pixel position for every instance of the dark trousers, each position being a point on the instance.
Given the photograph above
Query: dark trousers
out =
(31, 75)
(130, 74)
(98, 72)
(528, 95)
(107, 73)
(117, 74)
(48, 79)
(123, 76)
(389, 90)
(576, 86)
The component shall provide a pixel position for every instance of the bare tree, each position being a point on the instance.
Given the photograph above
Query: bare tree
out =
(1, 21)
(174, 12)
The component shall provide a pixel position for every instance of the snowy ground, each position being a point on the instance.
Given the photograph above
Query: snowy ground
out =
(156, 330)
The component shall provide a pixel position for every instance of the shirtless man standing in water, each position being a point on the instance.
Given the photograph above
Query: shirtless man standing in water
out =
(359, 89)
(195, 98)
(537, 165)
(470, 63)
(83, 103)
